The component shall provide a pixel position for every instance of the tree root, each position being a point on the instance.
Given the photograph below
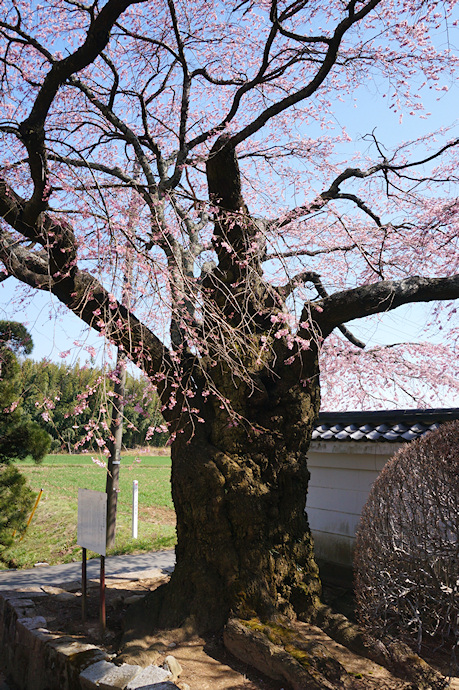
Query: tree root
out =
(257, 648)
(394, 655)
(323, 652)
(306, 658)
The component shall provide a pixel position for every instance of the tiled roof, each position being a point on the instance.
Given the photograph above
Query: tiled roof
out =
(380, 425)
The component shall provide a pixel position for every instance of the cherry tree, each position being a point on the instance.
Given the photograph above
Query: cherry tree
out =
(253, 245)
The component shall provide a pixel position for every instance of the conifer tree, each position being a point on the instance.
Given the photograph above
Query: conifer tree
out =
(20, 437)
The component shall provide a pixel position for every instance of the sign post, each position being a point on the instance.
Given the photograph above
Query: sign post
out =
(92, 534)
(84, 608)
(102, 594)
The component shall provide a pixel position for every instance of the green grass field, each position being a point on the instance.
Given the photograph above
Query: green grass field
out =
(129, 460)
(51, 536)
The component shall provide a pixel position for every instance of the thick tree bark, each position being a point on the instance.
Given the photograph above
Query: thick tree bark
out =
(244, 544)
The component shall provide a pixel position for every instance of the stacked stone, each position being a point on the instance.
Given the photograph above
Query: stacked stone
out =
(37, 659)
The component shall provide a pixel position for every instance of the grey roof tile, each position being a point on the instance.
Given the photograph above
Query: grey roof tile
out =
(410, 435)
(400, 428)
(380, 425)
(342, 435)
(419, 428)
(391, 435)
(350, 428)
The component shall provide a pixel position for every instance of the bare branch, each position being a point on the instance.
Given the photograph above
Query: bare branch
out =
(122, 127)
(314, 278)
(380, 297)
(292, 99)
(351, 337)
(186, 84)
(300, 279)
(308, 252)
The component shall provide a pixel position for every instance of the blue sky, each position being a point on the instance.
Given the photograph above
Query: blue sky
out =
(53, 328)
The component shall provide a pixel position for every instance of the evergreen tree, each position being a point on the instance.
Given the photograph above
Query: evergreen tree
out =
(20, 436)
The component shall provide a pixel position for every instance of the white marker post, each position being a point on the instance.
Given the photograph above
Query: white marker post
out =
(135, 507)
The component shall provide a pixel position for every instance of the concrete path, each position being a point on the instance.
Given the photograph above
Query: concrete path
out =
(140, 566)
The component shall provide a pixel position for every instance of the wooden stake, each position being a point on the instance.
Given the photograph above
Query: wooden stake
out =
(102, 595)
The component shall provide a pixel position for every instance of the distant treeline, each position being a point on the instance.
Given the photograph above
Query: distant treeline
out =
(74, 404)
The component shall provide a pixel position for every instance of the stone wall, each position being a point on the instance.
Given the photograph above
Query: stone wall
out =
(37, 659)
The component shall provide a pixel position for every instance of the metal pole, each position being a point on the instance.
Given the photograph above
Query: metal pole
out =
(83, 587)
(135, 507)
(102, 594)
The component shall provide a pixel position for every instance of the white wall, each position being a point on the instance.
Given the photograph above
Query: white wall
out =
(342, 474)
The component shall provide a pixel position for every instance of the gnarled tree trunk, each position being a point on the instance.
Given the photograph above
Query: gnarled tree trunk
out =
(244, 544)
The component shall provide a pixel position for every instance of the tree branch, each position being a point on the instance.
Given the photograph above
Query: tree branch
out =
(344, 306)
(89, 300)
(306, 252)
(292, 99)
(32, 130)
(314, 278)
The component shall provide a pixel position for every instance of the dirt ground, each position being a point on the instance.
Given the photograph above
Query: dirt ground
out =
(205, 662)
